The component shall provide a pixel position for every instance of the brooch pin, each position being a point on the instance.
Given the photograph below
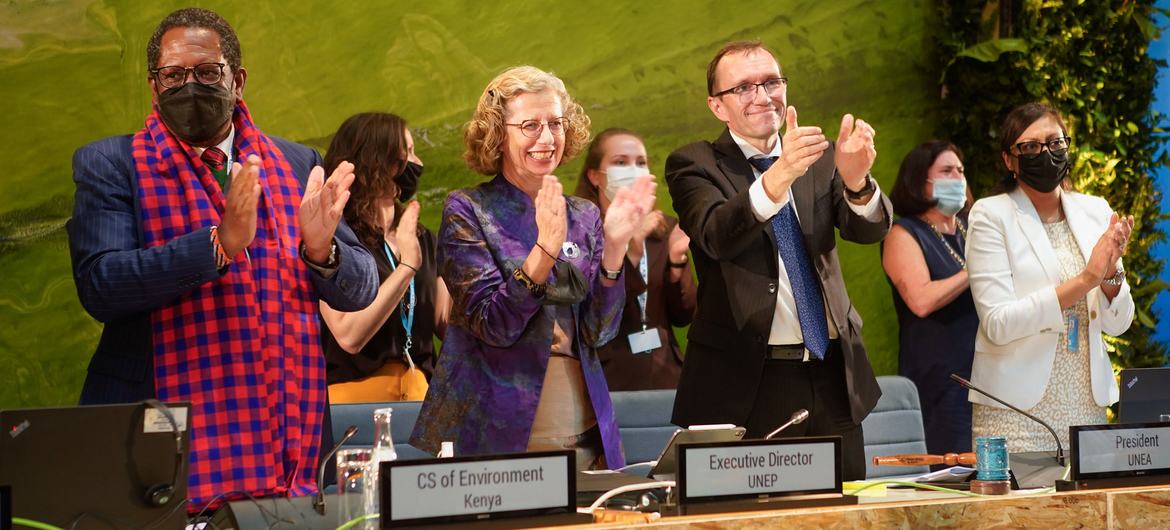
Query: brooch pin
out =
(571, 250)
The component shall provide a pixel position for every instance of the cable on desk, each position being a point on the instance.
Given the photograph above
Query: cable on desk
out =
(914, 485)
(350, 523)
(648, 463)
(625, 489)
(272, 517)
(29, 523)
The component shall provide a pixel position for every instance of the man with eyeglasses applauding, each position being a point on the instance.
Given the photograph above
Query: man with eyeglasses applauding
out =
(774, 331)
(202, 245)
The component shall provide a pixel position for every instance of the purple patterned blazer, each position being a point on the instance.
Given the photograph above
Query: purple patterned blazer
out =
(487, 384)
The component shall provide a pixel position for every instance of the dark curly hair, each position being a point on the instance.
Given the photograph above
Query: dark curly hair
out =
(375, 143)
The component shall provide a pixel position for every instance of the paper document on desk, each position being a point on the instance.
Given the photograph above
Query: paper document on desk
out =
(945, 475)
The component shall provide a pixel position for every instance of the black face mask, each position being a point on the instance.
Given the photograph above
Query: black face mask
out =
(1044, 171)
(407, 181)
(568, 286)
(195, 112)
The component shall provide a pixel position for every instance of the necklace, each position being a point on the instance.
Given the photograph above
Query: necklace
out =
(962, 230)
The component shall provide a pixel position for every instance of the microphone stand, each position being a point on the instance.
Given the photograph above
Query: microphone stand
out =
(319, 499)
(797, 417)
(1059, 449)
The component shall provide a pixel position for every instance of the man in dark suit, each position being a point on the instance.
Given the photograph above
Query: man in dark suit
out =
(202, 244)
(774, 331)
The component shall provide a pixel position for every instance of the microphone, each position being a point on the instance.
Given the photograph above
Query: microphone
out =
(797, 417)
(1059, 449)
(319, 499)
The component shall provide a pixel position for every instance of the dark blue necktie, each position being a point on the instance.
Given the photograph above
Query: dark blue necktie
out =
(810, 306)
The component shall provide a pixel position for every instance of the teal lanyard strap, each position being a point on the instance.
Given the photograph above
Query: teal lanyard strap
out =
(407, 306)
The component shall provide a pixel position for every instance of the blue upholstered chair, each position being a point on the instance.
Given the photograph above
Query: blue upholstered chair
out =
(894, 427)
(362, 414)
(643, 418)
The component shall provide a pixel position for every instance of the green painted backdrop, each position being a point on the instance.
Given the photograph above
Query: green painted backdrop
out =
(74, 71)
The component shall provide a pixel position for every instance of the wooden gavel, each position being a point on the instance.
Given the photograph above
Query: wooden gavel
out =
(949, 459)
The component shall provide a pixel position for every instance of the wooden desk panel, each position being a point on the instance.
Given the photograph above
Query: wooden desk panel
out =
(1136, 508)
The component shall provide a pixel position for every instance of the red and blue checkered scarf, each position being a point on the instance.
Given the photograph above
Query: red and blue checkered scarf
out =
(243, 349)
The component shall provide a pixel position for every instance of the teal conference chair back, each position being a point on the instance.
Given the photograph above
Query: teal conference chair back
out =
(894, 427)
(362, 414)
(643, 418)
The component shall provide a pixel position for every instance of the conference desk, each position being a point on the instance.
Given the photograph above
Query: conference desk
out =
(1138, 508)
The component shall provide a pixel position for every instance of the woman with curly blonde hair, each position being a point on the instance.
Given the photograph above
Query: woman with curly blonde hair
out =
(534, 277)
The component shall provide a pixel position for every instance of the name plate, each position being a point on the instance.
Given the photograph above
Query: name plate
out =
(477, 487)
(1120, 450)
(758, 469)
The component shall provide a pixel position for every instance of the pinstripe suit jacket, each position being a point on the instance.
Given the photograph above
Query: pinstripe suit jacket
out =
(737, 262)
(119, 282)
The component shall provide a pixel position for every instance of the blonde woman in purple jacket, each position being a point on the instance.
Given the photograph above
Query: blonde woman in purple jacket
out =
(535, 282)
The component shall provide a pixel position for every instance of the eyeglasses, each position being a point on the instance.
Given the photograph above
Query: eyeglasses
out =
(533, 128)
(1034, 148)
(173, 76)
(747, 91)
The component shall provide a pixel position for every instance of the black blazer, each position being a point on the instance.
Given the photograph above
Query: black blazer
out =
(736, 260)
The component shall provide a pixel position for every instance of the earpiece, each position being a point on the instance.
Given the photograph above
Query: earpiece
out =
(163, 494)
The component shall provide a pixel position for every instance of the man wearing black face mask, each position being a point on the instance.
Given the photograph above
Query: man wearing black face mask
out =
(202, 244)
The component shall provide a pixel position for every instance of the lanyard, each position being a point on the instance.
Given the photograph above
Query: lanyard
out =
(407, 312)
(642, 269)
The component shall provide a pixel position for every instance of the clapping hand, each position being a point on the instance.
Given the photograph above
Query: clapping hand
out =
(551, 223)
(649, 223)
(1110, 247)
(237, 228)
(855, 151)
(802, 147)
(406, 237)
(627, 210)
(321, 209)
(677, 244)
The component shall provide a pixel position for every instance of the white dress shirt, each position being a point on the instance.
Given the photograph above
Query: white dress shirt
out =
(785, 322)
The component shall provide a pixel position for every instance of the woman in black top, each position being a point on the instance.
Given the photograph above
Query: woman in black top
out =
(370, 355)
(925, 260)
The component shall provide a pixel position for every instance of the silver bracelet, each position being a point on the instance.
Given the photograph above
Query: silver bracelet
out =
(1117, 278)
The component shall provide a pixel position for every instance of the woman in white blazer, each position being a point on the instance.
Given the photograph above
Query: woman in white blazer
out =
(1046, 275)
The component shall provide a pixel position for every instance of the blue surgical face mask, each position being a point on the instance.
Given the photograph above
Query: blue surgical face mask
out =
(618, 177)
(951, 195)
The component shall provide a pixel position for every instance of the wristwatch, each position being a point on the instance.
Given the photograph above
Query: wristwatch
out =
(680, 265)
(865, 190)
(536, 289)
(326, 270)
(1117, 278)
(610, 275)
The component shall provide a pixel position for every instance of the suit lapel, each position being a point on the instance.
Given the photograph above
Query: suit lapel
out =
(1080, 224)
(738, 173)
(1085, 230)
(804, 193)
(1033, 229)
(732, 163)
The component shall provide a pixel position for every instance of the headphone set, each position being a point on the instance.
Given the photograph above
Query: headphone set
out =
(162, 494)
